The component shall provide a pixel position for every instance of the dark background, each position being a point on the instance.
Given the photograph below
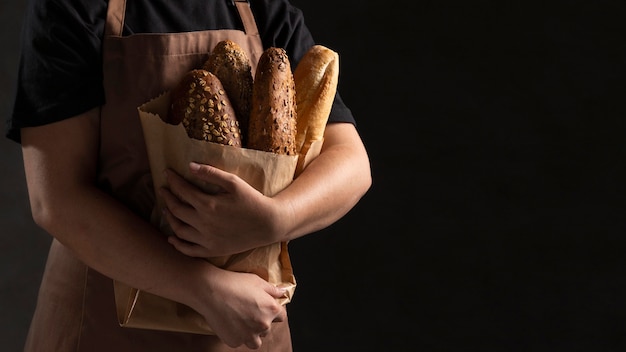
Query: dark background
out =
(496, 217)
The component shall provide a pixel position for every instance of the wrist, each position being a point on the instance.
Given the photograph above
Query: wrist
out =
(283, 220)
(198, 285)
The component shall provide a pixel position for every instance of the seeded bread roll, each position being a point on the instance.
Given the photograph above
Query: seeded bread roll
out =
(229, 62)
(272, 125)
(200, 103)
(316, 78)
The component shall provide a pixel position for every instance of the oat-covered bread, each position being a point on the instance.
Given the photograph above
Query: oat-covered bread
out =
(272, 125)
(230, 63)
(201, 104)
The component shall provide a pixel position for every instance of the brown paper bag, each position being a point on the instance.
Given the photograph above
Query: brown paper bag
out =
(169, 146)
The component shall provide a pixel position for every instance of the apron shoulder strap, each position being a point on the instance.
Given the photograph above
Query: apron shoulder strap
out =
(249, 24)
(117, 9)
(115, 18)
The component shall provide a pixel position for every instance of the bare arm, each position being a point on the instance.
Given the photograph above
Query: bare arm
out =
(60, 162)
(327, 189)
(331, 185)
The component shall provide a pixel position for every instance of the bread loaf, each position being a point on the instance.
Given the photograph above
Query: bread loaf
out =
(272, 126)
(200, 103)
(229, 62)
(316, 78)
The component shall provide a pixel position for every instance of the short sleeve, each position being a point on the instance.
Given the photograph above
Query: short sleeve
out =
(60, 68)
(283, 25)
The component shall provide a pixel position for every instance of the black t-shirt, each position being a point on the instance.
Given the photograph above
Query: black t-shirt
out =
(60, 71)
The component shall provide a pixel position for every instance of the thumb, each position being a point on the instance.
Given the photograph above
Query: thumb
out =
(210, 175)
(277, 292)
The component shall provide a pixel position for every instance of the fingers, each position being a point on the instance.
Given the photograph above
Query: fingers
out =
(186, 237)
(183, 200)
(188, 248)
(212, 175)
(277, 292)
(180, 194)
(175, 223)
(255, 343)
(180, 188)
(177, 213)
(194, 194)
(281, 317)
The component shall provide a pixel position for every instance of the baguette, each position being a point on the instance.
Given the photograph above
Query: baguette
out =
(200, 103)
(316, 78)
(229, 62)
(272, 126)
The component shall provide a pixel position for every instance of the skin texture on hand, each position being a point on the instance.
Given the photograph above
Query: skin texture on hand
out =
(233, 220)
(238, 318)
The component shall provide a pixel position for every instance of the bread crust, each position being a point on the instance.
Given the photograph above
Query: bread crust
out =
(201, 104)
(272, 126)
(230, 63)
(316, 78)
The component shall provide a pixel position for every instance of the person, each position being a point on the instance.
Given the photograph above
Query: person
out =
(86, 65)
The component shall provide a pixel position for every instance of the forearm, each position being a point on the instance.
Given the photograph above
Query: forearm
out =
(108, 237)
(60, 162)
(344, 167)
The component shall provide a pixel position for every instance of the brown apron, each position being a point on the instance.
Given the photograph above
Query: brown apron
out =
(76, 308)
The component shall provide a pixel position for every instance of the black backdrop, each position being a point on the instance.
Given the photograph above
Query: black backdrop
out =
(495, 220)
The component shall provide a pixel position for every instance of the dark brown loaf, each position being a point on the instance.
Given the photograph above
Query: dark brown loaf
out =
(200, 103)
(229, 62)
(272, 125)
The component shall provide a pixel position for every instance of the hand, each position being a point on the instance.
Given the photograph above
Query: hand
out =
(232, 220)
(242, 308)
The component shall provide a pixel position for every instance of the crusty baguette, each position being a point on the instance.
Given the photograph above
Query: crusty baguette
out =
(230, 63)
(316, 78)
(272, 126)
(200, 103)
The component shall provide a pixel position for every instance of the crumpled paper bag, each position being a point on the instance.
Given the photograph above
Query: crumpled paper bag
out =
(168, 146)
